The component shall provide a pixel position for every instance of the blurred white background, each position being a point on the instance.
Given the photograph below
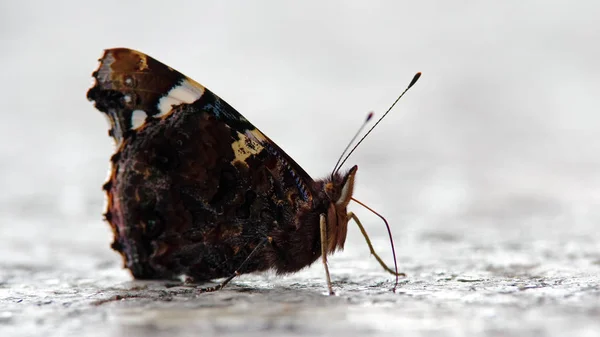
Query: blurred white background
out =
(500, 133)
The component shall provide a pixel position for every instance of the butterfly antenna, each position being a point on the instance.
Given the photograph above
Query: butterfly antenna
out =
(369, 116)
(414, 80)
(389, 230)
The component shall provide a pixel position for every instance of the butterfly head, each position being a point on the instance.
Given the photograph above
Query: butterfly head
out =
(340, 188)
(339, 191)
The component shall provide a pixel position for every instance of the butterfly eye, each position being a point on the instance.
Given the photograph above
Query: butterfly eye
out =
(329, 190)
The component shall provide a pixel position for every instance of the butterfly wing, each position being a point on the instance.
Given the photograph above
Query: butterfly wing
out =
(194, 186)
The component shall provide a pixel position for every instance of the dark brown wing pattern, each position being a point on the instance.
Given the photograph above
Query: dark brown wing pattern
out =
(194, 186)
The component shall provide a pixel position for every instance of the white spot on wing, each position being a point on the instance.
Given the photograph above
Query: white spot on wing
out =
(187, 92)
(104, 71)
(108, 176)
(138, 118)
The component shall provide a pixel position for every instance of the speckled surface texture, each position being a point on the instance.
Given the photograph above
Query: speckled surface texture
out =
(53, 286)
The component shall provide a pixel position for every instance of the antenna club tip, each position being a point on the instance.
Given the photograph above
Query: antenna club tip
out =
(369, 116)
(415, 79)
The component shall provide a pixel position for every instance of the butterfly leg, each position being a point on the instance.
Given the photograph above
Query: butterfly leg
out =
(239, 270)
(323, 223)
(364, 233)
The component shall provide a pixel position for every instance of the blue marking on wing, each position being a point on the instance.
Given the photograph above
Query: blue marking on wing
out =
(298, 181)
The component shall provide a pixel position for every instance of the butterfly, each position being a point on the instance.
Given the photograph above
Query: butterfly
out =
(197, 192)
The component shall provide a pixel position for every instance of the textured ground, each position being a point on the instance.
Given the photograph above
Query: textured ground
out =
(473, 284)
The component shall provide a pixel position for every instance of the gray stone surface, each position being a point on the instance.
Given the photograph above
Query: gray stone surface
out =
(52, 284)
